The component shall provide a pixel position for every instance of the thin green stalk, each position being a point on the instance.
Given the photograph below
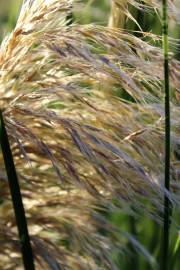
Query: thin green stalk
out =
(16, 198)
(164, 263)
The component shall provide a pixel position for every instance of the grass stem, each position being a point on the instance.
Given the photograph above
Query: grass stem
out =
(16, 198)
(167, 206)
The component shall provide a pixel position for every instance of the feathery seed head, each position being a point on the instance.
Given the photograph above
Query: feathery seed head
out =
(84, 113)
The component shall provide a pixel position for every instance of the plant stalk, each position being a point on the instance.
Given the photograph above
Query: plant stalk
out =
(26, 249)
(117, 16)
(165, 235)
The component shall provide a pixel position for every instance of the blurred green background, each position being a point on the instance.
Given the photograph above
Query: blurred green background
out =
(145, 230)
(8, 13)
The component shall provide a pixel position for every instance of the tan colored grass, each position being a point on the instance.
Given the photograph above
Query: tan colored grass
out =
(77, 142)
(117, 18)
(149, 5)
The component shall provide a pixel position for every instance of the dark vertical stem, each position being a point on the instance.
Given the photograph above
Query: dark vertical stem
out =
(16, 198)
(165, 236)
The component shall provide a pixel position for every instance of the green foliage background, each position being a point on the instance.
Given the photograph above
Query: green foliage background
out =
(144, 229)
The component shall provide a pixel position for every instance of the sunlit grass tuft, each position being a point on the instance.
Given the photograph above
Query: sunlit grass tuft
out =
(83, 107)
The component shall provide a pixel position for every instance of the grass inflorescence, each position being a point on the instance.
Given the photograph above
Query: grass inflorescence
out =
(84, 112)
